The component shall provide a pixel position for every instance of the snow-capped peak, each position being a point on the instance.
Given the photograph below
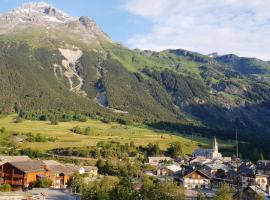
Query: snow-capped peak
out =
(37, 12)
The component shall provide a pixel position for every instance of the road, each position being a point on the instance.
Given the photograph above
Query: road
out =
(52, 194)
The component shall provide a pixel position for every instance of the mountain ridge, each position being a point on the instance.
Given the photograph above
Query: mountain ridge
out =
(72, 65)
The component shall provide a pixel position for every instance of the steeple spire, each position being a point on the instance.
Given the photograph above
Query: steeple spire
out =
(215, 146)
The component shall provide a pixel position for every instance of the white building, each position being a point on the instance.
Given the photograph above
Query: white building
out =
(208, 153)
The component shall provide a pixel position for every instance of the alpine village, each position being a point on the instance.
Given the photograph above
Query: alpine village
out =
(85, 118)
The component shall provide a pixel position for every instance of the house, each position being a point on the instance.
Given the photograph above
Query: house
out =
(199, 161)
(253, 192)
(157, 160)
(263, 167)
(217, 169)
(58, 173)
(22, 174)
(196, 179)
(91, 170)
(174, 169)
(261, 181)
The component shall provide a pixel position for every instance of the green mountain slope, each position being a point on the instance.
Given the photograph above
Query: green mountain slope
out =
(70, 64)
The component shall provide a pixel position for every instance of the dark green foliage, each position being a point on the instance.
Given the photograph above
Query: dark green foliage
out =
(126, 190)
(79, 130)
(31, 153)
(30, 137)
(43, 183)
(175, 150)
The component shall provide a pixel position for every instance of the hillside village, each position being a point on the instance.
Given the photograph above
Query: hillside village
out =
(204, 172)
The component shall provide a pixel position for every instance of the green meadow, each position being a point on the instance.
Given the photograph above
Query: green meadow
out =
(99, 131)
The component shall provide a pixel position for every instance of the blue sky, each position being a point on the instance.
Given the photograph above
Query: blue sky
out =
(241, 27)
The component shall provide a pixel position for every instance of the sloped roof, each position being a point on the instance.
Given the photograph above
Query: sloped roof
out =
(29, 166)
(5, 159)
(201, 172)
(60, 169)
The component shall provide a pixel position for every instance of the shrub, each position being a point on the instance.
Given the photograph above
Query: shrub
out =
(5, 188)
(43, 183)
(18, 120)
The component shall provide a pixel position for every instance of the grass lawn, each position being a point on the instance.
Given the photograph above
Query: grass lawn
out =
(99, 132)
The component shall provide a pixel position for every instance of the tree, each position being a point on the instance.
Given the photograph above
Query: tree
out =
(164, 191)
(201, 196)
(75, 183)
(125, 191)
(224, 193)
(43, 183)
(259, 197)
(175, 150)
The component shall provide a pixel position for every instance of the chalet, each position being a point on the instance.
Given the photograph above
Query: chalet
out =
(199, 161)
(253, 192)
(263, 167)
(261, 181)
(217, 169)
(174, 170)
(196, 179)
(58, 173)
(157, 160)
(91, 170)
(21, 174)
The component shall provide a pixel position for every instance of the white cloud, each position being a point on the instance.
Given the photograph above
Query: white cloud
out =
(228, 26)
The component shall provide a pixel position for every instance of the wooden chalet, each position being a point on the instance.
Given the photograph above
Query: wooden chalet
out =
(21, 174)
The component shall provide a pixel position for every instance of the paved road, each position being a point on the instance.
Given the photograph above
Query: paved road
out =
(52, 194)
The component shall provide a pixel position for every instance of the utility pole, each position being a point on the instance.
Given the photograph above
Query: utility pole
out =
(237, 165)
(236, 140)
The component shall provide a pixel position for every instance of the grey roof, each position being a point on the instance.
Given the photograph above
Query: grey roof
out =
(4, 159)
(29, 166)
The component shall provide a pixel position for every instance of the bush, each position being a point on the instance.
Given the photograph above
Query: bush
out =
(3, 130)
(77, 130)
(87, 130)
(43, 183)
(54, 122)
(18, 120)
(5, 188)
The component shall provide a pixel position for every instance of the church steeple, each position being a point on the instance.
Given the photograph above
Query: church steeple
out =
(215, 146)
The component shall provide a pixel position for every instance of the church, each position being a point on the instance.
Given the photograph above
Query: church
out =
(212, 154)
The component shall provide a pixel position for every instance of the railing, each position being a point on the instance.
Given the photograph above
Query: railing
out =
(11, 175)
(12, 182)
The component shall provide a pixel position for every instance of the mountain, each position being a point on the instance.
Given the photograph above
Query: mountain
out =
(53, 61)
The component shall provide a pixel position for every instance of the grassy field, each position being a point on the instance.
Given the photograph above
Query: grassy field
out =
(99, 132)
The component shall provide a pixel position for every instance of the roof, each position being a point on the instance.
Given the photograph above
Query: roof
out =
(29, 166)
(51, 162)
(89, 168)
(201, 172)
(216, 166)
(259, 191)
(160, 158)
(60, 169)
(201, 160)
(5, 159)
(174, 168)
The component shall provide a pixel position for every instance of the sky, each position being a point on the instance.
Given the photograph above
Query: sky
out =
(240, 27)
